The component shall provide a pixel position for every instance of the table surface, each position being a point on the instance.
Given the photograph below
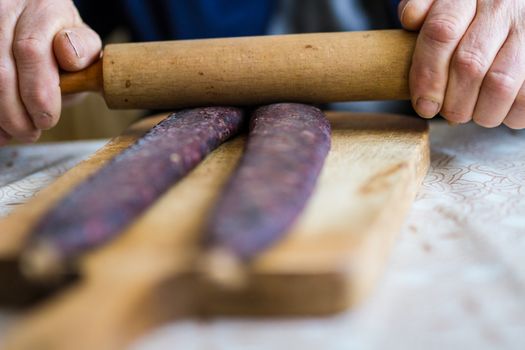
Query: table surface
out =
(455, 280)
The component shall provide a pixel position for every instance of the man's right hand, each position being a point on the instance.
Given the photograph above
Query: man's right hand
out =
(36, 39)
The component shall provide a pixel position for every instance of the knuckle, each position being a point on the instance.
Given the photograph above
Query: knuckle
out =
(470, 63)
(426, 72)
(500, 83)
(37, 99)
(426, 78)
(442, 30)
(29, 48)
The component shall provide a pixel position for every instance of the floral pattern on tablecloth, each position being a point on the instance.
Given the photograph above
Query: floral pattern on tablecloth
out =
(455, 280)
(456, 277)
(24, 170)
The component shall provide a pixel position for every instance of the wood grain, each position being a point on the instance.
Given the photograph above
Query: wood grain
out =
(308, 68)
(89, 79)
(330, 260)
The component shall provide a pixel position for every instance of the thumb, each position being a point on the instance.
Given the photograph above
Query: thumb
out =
(412, 13)
(76, 48)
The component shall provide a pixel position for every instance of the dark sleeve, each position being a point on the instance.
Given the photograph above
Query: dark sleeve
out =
(393, 10)
(150, 20)
(102, 16)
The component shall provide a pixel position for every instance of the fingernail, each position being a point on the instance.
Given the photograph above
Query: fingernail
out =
(75, 43)
(403, 7)
(44, 121)
(427, 108)
(451, 123)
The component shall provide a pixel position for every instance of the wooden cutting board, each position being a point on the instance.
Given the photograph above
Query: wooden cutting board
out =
(329, 261)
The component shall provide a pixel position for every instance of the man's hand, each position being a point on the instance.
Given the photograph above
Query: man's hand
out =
(469, 61)
(36, 38)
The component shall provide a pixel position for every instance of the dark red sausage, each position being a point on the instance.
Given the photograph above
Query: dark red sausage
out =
(101, 207)
(284, 154)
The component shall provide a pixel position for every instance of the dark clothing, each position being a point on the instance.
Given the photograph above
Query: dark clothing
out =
(150, 20)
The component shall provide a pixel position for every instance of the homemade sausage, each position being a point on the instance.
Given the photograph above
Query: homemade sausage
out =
(283, 157)
(107, 202)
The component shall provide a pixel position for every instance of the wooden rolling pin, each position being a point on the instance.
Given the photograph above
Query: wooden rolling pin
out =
(309, 68)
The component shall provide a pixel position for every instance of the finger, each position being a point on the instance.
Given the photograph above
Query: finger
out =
(37, 69)
(439, 37)
(472, 60)
(4, 138)
(76, 48)
(14, 120)
(501, 84)
(516, 117)
(34, 138)
(412, 13)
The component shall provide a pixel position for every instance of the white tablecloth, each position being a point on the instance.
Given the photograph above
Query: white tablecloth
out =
(455, 280)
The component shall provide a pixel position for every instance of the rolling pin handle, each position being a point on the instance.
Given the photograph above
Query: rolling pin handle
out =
(89, 79)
